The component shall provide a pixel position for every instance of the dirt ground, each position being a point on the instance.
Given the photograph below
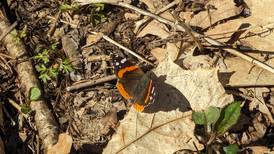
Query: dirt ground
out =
(136, 76)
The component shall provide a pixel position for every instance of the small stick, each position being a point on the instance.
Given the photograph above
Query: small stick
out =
(7, 56)
(91, 83)
(13, 123)
(63, 21)
(139, 23)
(95, 58)
(54, 24)
(124, 48)
(188, 31)
(4, 34)
(18, 107)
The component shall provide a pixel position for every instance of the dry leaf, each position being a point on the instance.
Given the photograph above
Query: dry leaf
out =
(63, 145)
(259, 103)
(225, 9)
(159, 53)
(201, 87)
(245, 75)
(260, 149)
(193, 62)
(173, 50)
(155, 28)
(94, 38)
(177, 90)
(132, 16)
(261, 22)
(149, 4)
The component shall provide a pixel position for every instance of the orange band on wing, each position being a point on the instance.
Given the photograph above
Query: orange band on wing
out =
(122, 91)
(138, 107)
(126, 69)
(148, 91)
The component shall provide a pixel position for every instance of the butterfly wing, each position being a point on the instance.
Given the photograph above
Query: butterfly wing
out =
(133, 83)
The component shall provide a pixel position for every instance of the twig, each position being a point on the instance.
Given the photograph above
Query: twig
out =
(63, 21)
(186, 114)
(9, 116)
(7, 56)
(4, 34)
(18, 107)
(54, 24)
(124, 48)
(264, 27)
(188, 31)
(91, 83)
(243, 56)
(95, 58)
(139, 23)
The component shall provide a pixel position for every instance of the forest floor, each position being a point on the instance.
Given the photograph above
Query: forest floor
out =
(136, 76)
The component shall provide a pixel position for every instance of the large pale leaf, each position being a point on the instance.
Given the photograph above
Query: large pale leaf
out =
(177, 91)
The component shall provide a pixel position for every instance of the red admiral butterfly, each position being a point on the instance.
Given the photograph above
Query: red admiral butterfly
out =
(133, 84)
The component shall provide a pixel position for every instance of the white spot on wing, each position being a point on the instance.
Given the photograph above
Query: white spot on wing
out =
(152, 90)
(123, 60)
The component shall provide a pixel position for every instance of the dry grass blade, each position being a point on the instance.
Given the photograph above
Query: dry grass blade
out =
(124, 48)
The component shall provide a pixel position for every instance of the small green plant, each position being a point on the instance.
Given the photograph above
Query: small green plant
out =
(50, 70)
(97, 14)
(216, 122)
(17, 35)
(35, 93)
(68, 7)
(65, 66)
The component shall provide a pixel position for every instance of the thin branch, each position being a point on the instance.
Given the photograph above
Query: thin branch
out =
(63, 21)
(91, 83)
(4, 34)
(188, 31)
(124, 48)
(139, 23)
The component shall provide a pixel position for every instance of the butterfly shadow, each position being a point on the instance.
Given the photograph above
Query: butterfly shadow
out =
(168, 98)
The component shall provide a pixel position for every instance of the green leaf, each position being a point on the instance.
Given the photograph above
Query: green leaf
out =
(99, 6)
(65, 66)
(231, 115)
(199, 118)
(44, 56)
(25, 109)
(53, 72)
(212, 115)
(97, 18)
(67, 7)
(41, 68)
(35, 93)
(54, 46)
(231, 149)
(44, 77)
